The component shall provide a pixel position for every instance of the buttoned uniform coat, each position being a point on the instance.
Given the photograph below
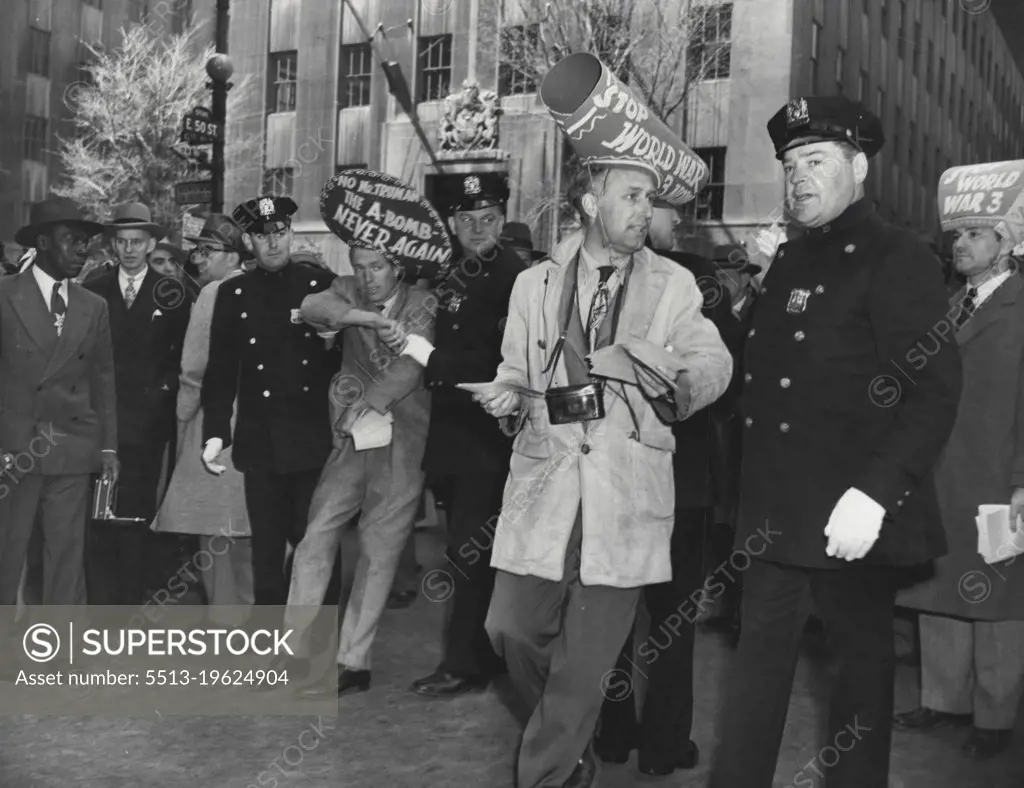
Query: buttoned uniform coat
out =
(848, 383)
(982, 463)
(278, 368)
(619, 471)
(58, 402)
(372, 375)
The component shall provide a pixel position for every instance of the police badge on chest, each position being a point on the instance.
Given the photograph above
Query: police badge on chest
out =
(454, 302)
(797, 300)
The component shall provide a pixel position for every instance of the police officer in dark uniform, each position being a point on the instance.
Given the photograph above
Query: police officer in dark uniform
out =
(280, 371)
(841, 433)
(467, 454)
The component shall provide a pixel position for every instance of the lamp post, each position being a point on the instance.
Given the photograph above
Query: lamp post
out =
(219, 68)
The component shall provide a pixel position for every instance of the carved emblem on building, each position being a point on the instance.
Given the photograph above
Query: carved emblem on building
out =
(468, 129)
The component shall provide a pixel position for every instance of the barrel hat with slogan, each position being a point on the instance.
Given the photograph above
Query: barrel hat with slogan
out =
(608, 124)
(984, 195)
(374, 210)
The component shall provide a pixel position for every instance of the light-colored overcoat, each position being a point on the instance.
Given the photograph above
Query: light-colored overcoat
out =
(620, 469)
(982, 463)
(197, 502)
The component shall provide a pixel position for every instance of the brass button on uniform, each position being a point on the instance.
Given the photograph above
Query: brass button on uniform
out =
(748, 377)
(785, 383)
(252, 340)
(305, 388)
(799, 336)
(751, 332)
(784, 427)
(748, 421)
(455, 327)
(266, 393)
(259, 367)
(585, 448)
(305, 362)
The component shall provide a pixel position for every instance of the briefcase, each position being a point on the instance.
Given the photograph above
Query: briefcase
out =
(104, 502)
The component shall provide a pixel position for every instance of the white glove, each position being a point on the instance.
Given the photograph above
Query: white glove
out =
(419, 349)
(854, 525)
(327, 334)
(211, 450)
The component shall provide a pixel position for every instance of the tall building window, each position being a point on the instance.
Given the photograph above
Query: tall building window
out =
(356, 66)
(862, 86)
(929, 66)
(942, 80)
(901, 33)
(278, 181)
(94, 3)
(518, 44)
(952, 96)
(39, 52)
(926, 176)
(885, 18)
(709, 204)
(917, 47)
(709, 55)
(283, 69)
(33, 138)
(911, 148)
(840, 65)
(897, 127)
(435, 67)
(815, 46)
(880, 104)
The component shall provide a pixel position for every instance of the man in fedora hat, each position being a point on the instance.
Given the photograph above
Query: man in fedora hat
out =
(148, 318)
(838, 450)
(517, 237)
(58, 421)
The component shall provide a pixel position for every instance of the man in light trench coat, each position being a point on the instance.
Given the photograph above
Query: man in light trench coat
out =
(972, 627)
(588, 507)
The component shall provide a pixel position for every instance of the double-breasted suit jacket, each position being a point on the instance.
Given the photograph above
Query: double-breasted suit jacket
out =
(983, 463)
(148, 338)
(57, 394)
(848, 383)
(620, 469)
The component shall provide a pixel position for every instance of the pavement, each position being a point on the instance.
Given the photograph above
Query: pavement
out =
(390, 738)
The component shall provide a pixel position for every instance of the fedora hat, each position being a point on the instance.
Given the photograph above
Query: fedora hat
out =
(56, 210)
(134, 216)
(733, 257)
(516, 235)
(220, 231)
(180, 255)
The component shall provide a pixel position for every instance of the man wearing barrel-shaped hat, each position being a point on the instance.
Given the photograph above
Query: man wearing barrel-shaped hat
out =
(972, 627)
(588, 507)
(841, 432)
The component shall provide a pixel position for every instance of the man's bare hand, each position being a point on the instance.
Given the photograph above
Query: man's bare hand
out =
(111, 466)
(393, 335)
(651, 385)
(501, 404)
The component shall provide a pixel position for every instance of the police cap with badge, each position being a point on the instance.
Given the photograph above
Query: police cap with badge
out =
(266, 214)
(477, 191)
(825, 119)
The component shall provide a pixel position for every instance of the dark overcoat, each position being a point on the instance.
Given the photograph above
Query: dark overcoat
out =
(839, 393)
(982, 464)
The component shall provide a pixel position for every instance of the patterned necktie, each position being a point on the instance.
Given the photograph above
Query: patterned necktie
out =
(599, 308)
(129, 294)
(967, 306)
(58, 308)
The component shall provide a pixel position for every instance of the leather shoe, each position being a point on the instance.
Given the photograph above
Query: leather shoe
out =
(585, 773)
(923, 719)
(687, 758)
(442, 684)
(987, 743)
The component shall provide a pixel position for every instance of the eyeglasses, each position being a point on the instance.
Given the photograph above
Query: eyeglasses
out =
(131, 243)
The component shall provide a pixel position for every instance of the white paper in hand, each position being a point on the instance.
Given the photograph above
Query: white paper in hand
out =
(996, 542)
(372, 430)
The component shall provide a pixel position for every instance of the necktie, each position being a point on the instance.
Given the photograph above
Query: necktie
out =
(58, 308)
(967, 306)
(129, 294)
(599, 307)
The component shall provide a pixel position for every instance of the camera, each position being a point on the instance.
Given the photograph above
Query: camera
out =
(572, 404)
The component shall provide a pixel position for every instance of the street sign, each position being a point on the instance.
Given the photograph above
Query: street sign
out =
(193, 192)
(199, 128)
(190, 226)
